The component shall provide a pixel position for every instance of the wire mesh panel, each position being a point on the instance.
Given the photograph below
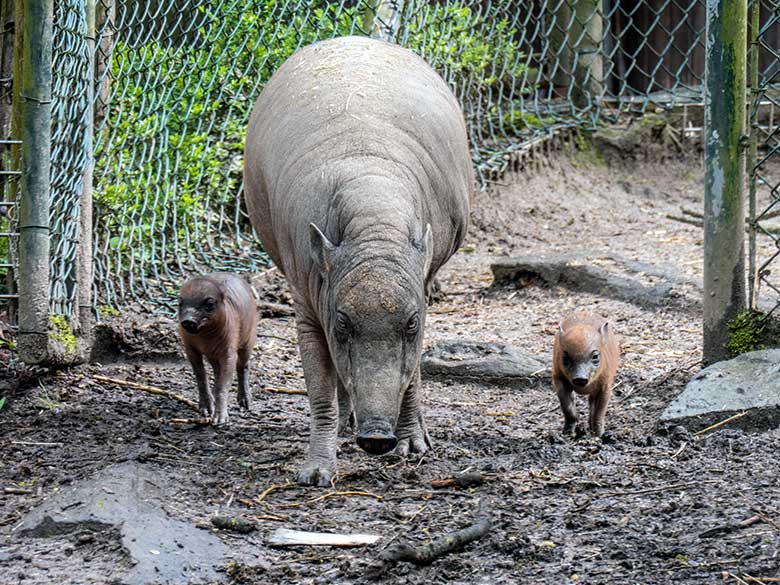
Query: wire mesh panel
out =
(176, 81)
(70, 79)
(764, 164)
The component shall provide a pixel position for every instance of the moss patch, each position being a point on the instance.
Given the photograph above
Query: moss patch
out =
(62, 333)
(752, 331)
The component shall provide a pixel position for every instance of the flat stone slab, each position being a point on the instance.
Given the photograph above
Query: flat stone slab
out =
(161, 549)
(476, 359)
(748, 383)
(577, 273)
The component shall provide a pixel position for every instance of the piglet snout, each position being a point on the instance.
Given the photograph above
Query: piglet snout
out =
(189, 325)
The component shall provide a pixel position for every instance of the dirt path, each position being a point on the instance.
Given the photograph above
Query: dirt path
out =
(629, 510)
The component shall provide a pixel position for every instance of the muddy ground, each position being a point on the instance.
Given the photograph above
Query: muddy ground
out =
(632, 509)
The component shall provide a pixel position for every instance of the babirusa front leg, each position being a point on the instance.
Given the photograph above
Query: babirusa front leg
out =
(318, 370)
(411, 430)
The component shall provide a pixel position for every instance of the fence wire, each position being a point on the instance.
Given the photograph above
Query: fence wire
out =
(175, 82)
(764, 162)
(70, 82)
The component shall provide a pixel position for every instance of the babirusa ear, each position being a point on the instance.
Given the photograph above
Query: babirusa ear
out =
(604, 329)
(427, 249)
(321, 249)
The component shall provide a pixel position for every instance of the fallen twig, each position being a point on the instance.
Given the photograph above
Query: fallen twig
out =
(463, 480)
(426, 554)
(36, 444)
(188, 421)
(720, 424)
(268, 490)
(664, 488)
(149, 389)
(727, 528)
(331, 495)
(267, 309)
(240, 525)
(284, 390)
(17, 491)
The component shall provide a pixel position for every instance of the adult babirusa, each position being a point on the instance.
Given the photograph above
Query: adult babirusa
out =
(357, 177)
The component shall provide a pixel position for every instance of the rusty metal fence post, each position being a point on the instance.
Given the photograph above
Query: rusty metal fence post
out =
(35, 105)
(724, 210)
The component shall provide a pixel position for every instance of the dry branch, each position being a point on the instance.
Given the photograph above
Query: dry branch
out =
(728, 528)
(148, 389)
(268, 490)
(426, 554)
(720, 424)
(463, 480)
(676, 486)
(276, 390)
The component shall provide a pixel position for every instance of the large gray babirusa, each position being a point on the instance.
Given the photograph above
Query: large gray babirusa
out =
(358, 176)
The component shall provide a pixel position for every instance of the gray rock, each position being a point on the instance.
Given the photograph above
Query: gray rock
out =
(575, 272)
(161, 549)
(475, 359)
(748, 383)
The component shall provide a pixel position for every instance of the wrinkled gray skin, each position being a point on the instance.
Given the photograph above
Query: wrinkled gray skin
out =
(357, 178)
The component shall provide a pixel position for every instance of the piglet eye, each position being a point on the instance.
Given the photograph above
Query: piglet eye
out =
(566, 359)
(595, 356)
(413, 325)
(209, 304)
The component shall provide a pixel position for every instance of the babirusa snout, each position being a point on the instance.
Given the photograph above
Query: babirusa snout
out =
(376, 436)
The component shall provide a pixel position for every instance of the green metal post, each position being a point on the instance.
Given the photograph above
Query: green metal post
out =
(35, 94)
(724, 210)
(85, 204)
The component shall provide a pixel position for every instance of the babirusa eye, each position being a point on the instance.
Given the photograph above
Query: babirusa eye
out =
(413, 325)
(343, 326)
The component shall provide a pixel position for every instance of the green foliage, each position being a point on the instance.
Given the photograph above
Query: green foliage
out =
(173, 153)
(169, 164)
(752, 331)
(452, 38)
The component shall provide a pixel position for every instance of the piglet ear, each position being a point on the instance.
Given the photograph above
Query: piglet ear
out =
(560, 328)
(321, 249)
(604, 329)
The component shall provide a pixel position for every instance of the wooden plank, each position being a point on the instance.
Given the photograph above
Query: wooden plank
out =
(285, 537)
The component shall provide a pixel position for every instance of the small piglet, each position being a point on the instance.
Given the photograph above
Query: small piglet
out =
(585, 359)
(217, 319)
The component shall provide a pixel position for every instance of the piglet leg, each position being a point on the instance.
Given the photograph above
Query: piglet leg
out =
(597, 410)
(205, 399)
(224, 370)
(244, 391)
(566, 398)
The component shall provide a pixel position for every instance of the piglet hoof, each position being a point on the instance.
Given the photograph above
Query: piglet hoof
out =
(219, 419)
(569, 429)
(206, 408)
(315, 474)
(607, 438)
(245, 400)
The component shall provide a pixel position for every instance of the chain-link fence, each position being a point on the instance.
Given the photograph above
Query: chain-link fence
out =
(163, 100)
(180, 79)
(764, 158)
